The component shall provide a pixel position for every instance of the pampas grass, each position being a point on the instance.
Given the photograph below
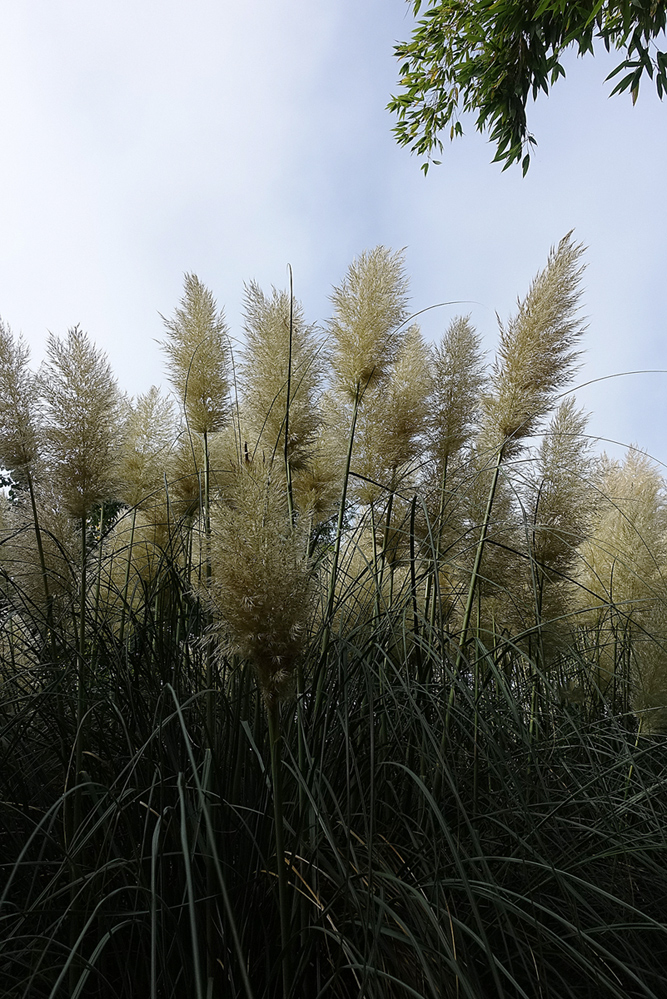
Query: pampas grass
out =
(281, 350)
(19, 404)
(197, 349)
(370, 307)
(261, 580)
(360, 696)
(537, 352)
(82, 410)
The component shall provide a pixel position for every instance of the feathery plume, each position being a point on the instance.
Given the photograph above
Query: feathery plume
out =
(457, 377)
(317, 486)
(82, 406)
(535, 359)
(197, 349)
(648, 681)
(369, 308)
(19, 403)
(149, 435)
(391, 423)
(624, 557)
(24, 565)
(185, 470)
(261, 581)
(537, 354)
(265, 374)
(132, 559)
(560, 496)
(503, 565)
(622, 572)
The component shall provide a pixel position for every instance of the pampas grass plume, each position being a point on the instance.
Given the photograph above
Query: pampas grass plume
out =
(537, 354)
(197, 349)
(261, 581)
(20, 559)
(19, 403)
(457, 376)
(392, 421)
(624, 558)
(369, 308)
(561, 493)
(82, 405)
(265, 373)
(150, 434)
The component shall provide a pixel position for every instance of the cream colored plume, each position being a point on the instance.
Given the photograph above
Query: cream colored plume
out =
(149, 436)
(457, 376)
(265, 373)
(623, 574)
(185, 470)
(369, 310)
(561, 497)
(623, 560)
(317, 486)
(537, 354)
(390, 439)
(261, 580)
(82, 409)
(19, 403)
(20, 561)
(198, 356)
(133, 558)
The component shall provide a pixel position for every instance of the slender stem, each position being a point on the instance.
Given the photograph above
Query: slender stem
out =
(377, 602)
(336, 556)
(98, 586)
(413, 586)
(210, 703)
(288, 470)
(81, 693)
(211, 966)
(465, 627)
(305, 810)
(75, 917)
(49, 616)
(434, 580)
(536, 649)
(385, 540)
(42, 560)
(273, 711)
(126, 584)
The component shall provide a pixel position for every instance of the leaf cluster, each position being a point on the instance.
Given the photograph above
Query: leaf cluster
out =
(488, 58)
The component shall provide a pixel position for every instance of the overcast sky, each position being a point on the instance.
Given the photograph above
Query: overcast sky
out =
(144, 138)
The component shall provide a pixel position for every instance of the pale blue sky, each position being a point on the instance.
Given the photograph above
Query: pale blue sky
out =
(142, 139)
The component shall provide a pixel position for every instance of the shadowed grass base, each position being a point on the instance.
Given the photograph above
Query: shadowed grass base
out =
(539, 870)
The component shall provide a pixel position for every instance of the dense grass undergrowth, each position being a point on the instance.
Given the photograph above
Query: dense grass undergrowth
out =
(352, 685)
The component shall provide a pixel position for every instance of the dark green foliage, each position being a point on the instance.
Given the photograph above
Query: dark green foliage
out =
(489, 58)
(538, 869)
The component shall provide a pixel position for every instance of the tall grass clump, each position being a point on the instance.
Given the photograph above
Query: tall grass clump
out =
(344, 673)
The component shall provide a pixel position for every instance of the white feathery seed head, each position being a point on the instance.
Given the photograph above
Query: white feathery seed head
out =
(265, 374)
(458, 378)
(19, 403)
(261, 580)
(82, 410)
(537, 354)
(150, 434)
(561, 494)
(370, 306)
(198, 357)
(391, 424)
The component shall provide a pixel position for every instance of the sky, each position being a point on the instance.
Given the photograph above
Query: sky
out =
(142, 139)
